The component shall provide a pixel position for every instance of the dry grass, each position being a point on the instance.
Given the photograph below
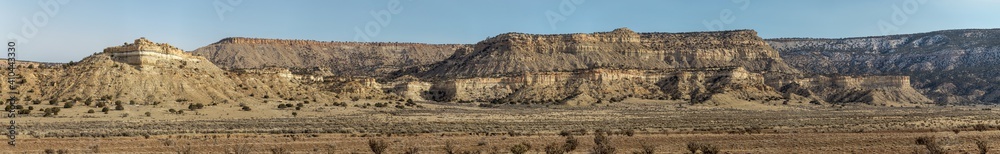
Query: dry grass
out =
(628, 125)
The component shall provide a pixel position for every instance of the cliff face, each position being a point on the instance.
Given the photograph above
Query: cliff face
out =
(516, 53)
(149, 79)
(954, 66)
(344, 58)
(611, 66)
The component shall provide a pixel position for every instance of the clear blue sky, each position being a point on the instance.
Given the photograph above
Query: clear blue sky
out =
(83, 27)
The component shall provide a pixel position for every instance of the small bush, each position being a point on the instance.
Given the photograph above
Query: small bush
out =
(555, 149)
(412, 150)
(246, 108)
(983, 146)
(378, 146)
(449, 148)
(279, 150)
(119, 107)
(69, 104)
(197, 106)
(646, 149)
(149, 114)
(520, 148)
(981, 127)
(703, 147)
(90, 111)
(931, 143)
(602, 144)
(571, 143)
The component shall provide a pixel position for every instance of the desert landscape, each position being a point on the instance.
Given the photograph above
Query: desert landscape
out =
(500, 77)
(604, 92)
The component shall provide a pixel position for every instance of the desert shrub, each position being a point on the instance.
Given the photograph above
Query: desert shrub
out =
(449, 148)
(378, 146)
(931, 143)
(412, 150)
(520, 148)
(629, 132)
(105, 110)
(149, 114)
(281, 106)
(646, 149)
(246, 108)
(555, 149)
(69, 104)
(119, 107)
(295, 114)
(705, 148)
(90, 111)
(242, 148)
(980, 127)
(196, 106)
(983, 146)
(602, 144)
(279, 150)
(571, 143)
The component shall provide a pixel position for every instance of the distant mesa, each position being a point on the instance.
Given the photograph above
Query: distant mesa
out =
(145, 52)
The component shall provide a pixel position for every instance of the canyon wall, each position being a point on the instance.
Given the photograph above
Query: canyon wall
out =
(951, 67)
(345, 58)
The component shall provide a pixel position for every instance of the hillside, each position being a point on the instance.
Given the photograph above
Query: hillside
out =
(728, 68)
(150, 73)
(346, 58)
(952, 66)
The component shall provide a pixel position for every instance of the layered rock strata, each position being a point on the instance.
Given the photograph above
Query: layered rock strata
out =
(951, 67)
(375, 59)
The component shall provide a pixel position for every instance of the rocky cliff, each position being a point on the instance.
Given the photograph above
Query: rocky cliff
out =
(344, 58)
(170, 78)
(516, 53)
(703, 67)
(952, 66)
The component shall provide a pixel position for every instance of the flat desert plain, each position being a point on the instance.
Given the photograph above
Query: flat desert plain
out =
(429, 127)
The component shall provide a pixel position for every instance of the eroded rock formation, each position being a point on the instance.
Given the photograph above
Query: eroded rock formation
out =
(952, 66)
(375, 59)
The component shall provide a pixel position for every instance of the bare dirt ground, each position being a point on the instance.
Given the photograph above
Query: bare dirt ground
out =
(669, 126)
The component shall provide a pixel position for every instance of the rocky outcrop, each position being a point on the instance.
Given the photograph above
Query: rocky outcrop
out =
(953, 66)
(144, 53)
(344, 58)
(609, 67)
(516, 53)
(872, 90)
(153, 79)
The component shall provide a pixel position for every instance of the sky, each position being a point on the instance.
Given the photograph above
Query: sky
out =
(69, 30)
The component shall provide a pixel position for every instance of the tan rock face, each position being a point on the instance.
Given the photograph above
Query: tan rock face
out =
(612, 66)
(345, 58)
(577, 69)
(145, 53)
(874, 90)
(515, 53)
